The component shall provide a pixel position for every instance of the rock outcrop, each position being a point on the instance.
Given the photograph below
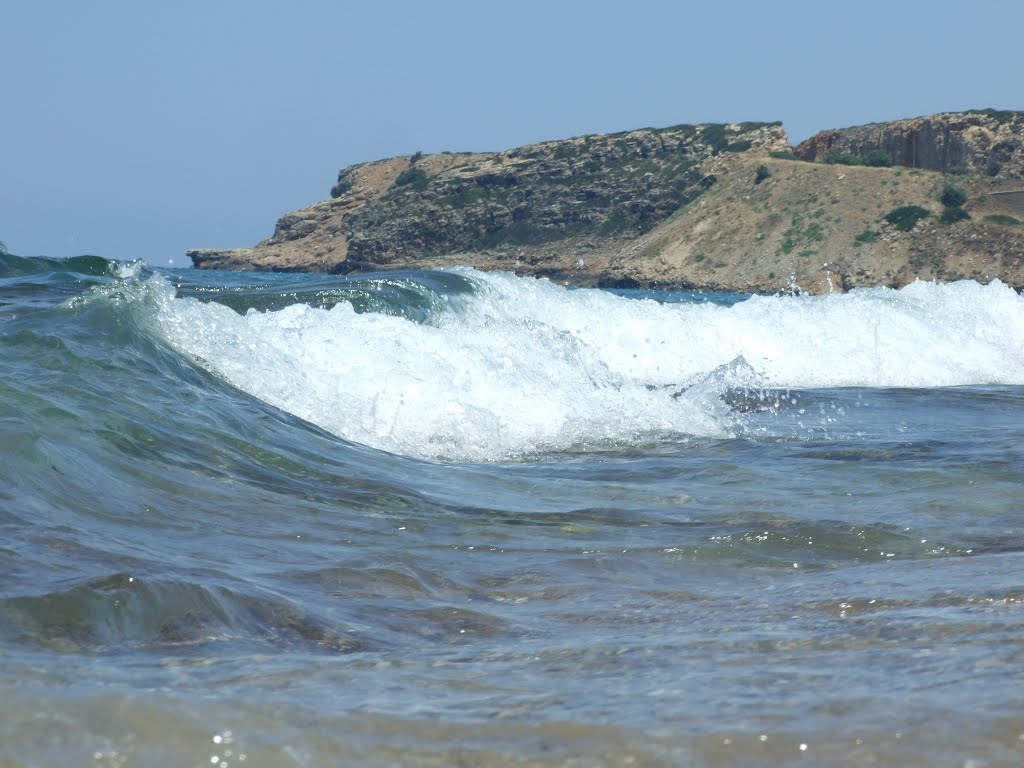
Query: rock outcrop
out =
(983, 142)
(727, 207)
(559, 202)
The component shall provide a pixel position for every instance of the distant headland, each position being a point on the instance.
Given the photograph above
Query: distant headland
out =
(713, 206)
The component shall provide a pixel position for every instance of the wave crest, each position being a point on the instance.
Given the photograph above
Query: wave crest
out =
(520, 366)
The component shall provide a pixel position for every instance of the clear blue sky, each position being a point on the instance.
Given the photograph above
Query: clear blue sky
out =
(135, 129)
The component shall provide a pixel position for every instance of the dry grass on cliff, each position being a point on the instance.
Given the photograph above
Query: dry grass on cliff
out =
(823, 228)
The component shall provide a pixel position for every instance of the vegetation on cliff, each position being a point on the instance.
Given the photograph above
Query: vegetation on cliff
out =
(604, 186)
(709, 206)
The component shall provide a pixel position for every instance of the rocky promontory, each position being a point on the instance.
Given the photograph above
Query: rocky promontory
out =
(728, 207)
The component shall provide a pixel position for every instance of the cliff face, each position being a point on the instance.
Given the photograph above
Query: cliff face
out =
(984, 142)
(552, 203)
(708, 206)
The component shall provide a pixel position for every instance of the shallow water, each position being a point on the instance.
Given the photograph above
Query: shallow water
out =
(435, 519)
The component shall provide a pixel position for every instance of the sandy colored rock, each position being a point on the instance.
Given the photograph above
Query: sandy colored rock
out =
(822, 228)
(708, 206)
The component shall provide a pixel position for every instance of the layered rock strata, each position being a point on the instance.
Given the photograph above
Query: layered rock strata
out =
(983, 142)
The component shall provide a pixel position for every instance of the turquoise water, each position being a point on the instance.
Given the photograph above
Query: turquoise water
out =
(449, 518)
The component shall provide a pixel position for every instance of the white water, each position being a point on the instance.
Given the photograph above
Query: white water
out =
(526, 366)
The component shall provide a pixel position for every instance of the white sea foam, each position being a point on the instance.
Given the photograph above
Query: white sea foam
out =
(524, 365)
(925, 335)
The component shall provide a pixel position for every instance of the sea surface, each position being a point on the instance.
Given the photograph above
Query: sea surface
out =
(463, 519)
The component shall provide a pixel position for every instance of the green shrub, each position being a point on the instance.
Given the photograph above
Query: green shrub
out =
(414, 177)
(783, 155)
(953, 197)
(877, 158)
(714, 136)
(842, 158)
(761, 174)
(739, 146)
(905, 217)
(995, 218)
(865, 237)
(952, 214)
(751, 125)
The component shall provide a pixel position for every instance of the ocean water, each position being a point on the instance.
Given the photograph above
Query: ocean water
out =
(466, 519)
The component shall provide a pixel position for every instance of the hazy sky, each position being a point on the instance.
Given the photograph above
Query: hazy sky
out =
(139, 129)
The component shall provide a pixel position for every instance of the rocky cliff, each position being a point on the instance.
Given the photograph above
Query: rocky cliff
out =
(551, 204)
(984, 142)
(710, 206)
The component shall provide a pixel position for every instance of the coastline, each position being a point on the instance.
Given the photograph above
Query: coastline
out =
(709, 207)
